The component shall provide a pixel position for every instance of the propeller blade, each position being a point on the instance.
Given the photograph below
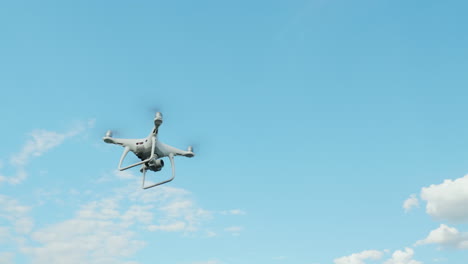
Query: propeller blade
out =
(195, 148)
(113, 133)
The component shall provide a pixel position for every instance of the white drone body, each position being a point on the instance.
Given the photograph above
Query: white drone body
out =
(150, 151)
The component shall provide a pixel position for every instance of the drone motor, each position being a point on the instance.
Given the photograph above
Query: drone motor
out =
(158, 119)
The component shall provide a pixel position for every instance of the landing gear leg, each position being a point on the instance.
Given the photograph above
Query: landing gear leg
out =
(144, 168)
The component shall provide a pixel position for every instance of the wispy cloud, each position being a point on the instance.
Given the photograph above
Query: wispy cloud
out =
(233, 212)
(16, 224)
(398, 257)
(403, 257)
(410, 203)
(234, 230)
(6, 257)
(98, 233)
(107, 229)
(182, 212)
(84, 240)
(103, 230)
(211, 234)
(40, 141)
(16, 214)
(19, 177)
(173, 227)
(207, 262)
(360, 258)
(279, 258)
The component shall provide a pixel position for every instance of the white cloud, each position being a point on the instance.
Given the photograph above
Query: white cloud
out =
(176, 226)
(279, 258)
(42, 140)
(360, 258)
(121, 175)
(138, 213)
(19, 177)
(403, 257)
(233, 212)
(16, 214)
(99, 233)
(4, 234)
(124, 175)
(174, 206)
(83, 241)
(410, 203)
(398, 257)
(17, 223)
(446, 237)
(24, 225)
(234, 230)
(11, 207)
(102, 210)
(448, 200)
(6, 257)
(207, 262)
(39, 143)
(105, 230)
(163, 195)
(211, 234)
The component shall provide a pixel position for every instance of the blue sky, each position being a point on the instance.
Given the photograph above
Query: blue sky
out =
(327, 132)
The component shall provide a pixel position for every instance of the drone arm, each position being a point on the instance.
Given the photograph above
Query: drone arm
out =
(124, 154)
(171, 158)
(175, 151)
(153, 145)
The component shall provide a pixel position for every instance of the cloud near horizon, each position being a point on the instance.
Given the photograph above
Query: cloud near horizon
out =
(359, 258)
(398, 257)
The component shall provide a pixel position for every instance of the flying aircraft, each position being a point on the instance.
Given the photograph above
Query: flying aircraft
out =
(150, 151)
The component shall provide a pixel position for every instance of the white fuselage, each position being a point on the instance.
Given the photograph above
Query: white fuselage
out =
(142, 147)
(150, 151)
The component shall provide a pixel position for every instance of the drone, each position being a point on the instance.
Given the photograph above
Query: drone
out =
(150, 151)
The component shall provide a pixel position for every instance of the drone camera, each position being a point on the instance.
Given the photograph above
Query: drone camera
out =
(156, 164)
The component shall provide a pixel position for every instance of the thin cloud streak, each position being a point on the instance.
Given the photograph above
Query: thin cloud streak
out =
(40, 142)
